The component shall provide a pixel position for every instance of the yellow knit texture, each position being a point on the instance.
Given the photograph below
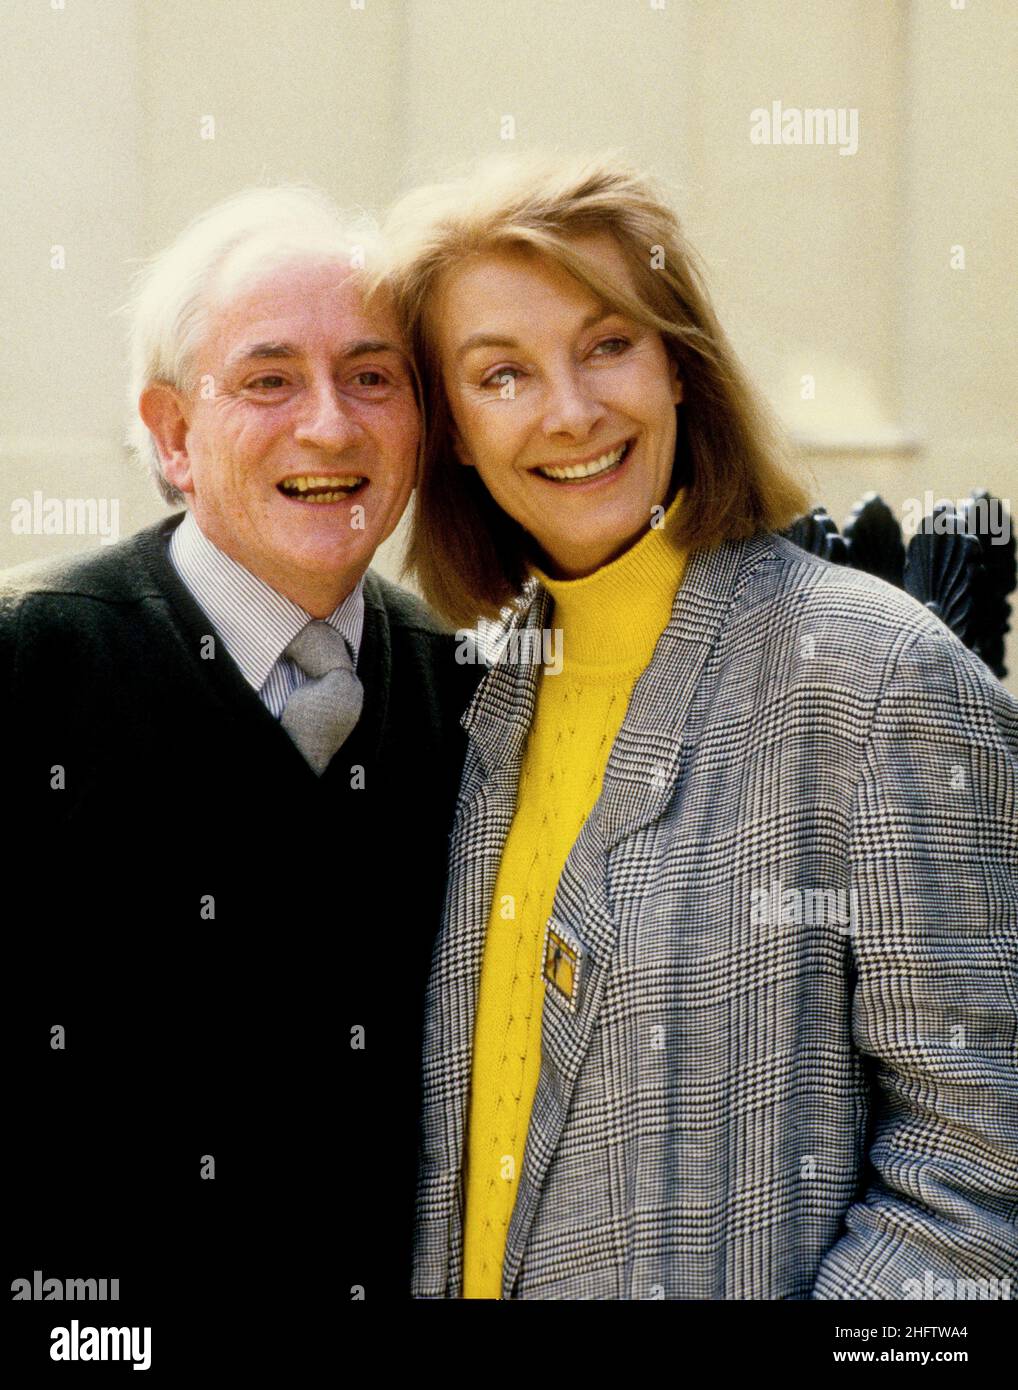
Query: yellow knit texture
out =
(610, 623)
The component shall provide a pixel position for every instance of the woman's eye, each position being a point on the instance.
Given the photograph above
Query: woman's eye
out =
(611, 347)
(376, 379)
(501, 376)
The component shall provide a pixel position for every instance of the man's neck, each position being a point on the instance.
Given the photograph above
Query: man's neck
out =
(317, 603)
(319, 596)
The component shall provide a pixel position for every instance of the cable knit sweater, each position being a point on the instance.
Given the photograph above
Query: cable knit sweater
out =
(610, 622)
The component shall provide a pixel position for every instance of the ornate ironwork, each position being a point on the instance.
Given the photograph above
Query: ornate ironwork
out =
(959, 564)
(874, 540)
(944, 570)
(818, 533)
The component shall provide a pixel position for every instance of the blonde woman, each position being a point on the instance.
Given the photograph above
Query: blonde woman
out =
(723, 1006)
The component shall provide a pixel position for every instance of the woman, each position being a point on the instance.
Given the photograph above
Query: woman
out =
(717, 913)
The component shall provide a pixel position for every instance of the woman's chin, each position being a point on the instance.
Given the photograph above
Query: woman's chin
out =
(574, 556)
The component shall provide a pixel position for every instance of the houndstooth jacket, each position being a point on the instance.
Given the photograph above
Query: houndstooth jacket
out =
(788, 1067)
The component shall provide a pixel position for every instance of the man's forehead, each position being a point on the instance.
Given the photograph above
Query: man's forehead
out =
(299, 303)
(280, 254)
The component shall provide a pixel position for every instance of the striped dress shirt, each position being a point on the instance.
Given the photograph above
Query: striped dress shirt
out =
(255, 623)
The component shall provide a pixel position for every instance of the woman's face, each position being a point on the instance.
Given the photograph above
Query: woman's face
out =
(565, 408)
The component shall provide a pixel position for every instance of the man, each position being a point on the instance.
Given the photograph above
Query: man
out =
(234, 753)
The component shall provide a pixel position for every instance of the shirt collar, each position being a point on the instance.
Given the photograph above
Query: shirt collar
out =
(254, 622)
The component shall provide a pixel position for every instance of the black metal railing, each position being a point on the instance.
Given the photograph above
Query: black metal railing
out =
(957, 563)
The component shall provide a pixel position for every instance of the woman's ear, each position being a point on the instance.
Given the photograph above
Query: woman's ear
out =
(676, 381)
(163, 409)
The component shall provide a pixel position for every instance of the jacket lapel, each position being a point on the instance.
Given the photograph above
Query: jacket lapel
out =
(497, 722)
(646, 758)
(640, 779)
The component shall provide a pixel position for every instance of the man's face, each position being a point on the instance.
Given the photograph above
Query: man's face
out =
(300, 449)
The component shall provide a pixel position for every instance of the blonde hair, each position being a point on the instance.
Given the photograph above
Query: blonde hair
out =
(468, 556)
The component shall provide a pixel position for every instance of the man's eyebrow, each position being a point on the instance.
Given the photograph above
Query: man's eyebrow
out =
(257, 351)
(363, 347)
(479, 340)
(366, 346)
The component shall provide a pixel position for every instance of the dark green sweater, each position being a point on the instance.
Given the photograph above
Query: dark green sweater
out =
(230, 1034)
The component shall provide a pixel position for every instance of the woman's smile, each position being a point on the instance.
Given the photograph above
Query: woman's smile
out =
(589, 472)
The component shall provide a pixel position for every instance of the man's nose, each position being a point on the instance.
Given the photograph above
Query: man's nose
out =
(571, 407)
(328, 422)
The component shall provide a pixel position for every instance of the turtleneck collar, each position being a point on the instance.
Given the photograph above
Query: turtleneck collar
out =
(613, 617)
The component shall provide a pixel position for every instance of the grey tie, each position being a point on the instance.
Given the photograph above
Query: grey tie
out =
(321, 713)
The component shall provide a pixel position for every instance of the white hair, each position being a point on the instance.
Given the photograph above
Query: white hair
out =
(168, 309)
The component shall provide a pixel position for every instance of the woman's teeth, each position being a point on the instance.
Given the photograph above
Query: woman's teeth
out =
(586, 470)
(310, 488)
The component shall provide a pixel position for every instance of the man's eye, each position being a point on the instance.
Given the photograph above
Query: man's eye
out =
(267, 383)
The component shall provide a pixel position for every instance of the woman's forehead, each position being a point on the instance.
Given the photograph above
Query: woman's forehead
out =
(517, 280)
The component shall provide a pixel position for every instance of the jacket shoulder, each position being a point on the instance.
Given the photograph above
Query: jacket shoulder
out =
(859, 631)
(806, 589)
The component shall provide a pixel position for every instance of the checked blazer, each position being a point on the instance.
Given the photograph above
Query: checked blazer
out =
(789, 1069)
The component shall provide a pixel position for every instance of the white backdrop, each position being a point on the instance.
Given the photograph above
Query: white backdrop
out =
(883, 276)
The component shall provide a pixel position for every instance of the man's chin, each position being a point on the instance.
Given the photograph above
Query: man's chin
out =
(317, 535)
(317, 559)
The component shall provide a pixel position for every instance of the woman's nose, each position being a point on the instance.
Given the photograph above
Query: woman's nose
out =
(571, 407)
(328, 421)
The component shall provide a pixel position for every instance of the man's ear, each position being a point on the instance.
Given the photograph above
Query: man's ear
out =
(164, 411)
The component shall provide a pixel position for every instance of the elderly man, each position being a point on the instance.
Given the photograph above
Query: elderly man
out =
(235, 756)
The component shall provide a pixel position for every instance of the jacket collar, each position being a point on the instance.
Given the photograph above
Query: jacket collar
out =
(641, 772)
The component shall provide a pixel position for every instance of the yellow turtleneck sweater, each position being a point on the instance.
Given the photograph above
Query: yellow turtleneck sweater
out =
(610, 622)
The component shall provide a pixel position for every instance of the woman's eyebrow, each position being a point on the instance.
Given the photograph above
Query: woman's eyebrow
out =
(478, 340)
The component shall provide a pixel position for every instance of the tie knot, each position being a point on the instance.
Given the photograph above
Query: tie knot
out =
(318, 649)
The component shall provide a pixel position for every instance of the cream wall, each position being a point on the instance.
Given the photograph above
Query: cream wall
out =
(823, 265)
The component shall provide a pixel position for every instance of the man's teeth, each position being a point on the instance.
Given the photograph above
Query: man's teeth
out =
(586, 470)
(312, 488)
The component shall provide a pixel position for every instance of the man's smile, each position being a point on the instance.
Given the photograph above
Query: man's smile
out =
(320, 488)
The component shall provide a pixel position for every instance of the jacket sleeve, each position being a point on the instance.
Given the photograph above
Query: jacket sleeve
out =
(934, 860)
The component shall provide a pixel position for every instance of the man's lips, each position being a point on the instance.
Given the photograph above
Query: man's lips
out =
(321, 489)
(577, 471)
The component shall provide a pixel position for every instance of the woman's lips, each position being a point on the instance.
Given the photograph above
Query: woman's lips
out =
(586, 475)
